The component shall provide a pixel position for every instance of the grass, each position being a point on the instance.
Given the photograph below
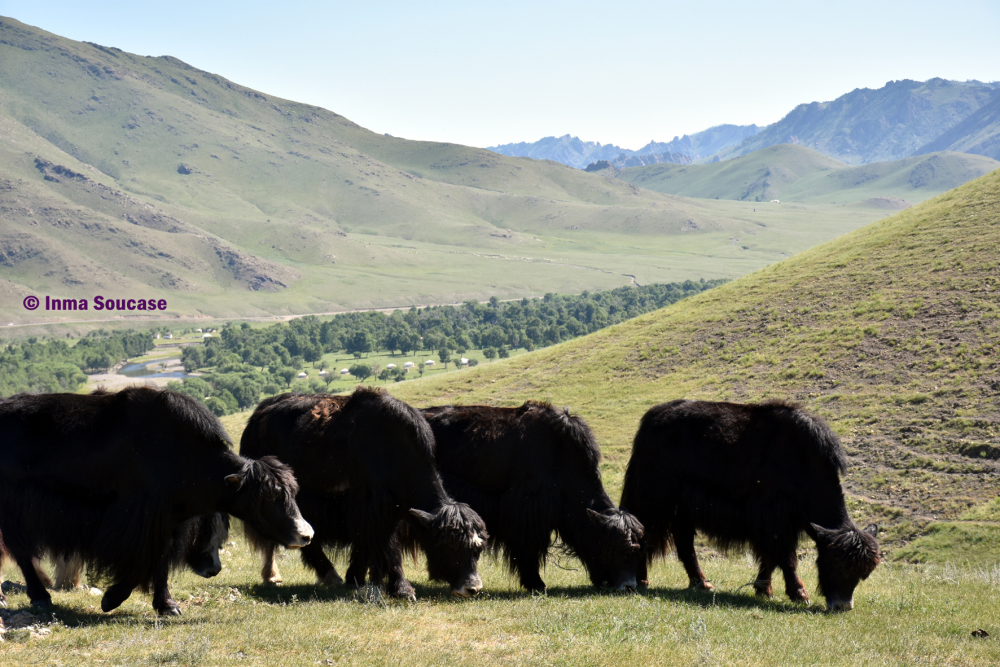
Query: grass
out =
(903, 614)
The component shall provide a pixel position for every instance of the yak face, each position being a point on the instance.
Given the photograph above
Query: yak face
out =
(845, 557)
(202, 553)
(263, 496)
(453, 538)
(614, 549)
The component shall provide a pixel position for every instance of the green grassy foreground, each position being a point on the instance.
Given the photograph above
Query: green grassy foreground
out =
(903, 615)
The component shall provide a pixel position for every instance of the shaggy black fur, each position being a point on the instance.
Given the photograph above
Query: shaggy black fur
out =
(752, 475)
(530, 472)
(365, 463)
(111, 476)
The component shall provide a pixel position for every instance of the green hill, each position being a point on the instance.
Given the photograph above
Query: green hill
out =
(891, 333)
(794, 173)
(123, 175)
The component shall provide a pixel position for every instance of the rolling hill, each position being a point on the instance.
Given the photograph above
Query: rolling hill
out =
(901, 119)
(891, 333)
(123, 175)
(796, 173)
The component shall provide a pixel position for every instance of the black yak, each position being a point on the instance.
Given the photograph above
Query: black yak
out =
(365, 463)
(111, 476)
(757, 475)
(530, 472)
(196, 543)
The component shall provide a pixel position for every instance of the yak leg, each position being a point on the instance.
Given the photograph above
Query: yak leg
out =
(526, 565)
(642, 572)
(684, 543)
(397, 586)
(163, 603)
(382, 555)
(68, 571)
(762, 585)
(314, 558)
(117, 593)
(36, 563)
(268, 568)
(36, 589)
(794, 587)
(357, 570)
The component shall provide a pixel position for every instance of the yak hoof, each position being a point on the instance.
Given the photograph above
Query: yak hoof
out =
(43, 604)
(331, 578)
(171, 608)
(763, 592)
(403, 590)
(799, 595)
(114, 597)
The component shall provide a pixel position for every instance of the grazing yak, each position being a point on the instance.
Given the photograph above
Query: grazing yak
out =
(196, 543)
(111, 476)
(365, 464)
(530, 472)
(757, 475)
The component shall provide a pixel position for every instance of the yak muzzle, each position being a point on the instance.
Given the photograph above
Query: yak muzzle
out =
(469, 589)
(840, 605)
(304, 537)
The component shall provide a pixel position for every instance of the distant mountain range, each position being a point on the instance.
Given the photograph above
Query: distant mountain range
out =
(681, 150)
(901, 119)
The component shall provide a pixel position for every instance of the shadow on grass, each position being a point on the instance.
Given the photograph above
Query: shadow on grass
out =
(74, 617)
(731, 600)
(442, 594)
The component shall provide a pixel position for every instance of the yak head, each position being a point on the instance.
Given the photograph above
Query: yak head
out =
(453, 538)
(611, 548)
(846, 555)
(262, 494)
(201, 553)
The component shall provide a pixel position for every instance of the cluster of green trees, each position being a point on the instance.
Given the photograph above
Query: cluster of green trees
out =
(55, 366)
(248, 362)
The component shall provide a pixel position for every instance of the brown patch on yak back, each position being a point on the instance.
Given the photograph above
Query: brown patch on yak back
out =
(326, 408)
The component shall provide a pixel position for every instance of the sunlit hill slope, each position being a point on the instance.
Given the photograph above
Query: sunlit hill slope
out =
(890, 332)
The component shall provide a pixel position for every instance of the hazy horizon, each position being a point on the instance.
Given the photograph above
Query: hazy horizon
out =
(627, 75)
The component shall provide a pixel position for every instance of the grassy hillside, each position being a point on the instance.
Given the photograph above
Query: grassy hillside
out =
(891, 333)
(794, 173)
(121, 174)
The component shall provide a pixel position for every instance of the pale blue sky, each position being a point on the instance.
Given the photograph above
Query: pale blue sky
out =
(481, 74)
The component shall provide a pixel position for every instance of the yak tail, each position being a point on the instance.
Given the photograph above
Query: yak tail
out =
(408, 541)
(640, 490)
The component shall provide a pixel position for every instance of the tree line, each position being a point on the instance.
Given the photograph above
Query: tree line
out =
(56, 366)
(244, 362)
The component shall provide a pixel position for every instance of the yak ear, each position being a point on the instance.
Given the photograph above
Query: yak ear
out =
(872, 529)
(824, 534)
(597, 517)
(234, 481)
(422, 517)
